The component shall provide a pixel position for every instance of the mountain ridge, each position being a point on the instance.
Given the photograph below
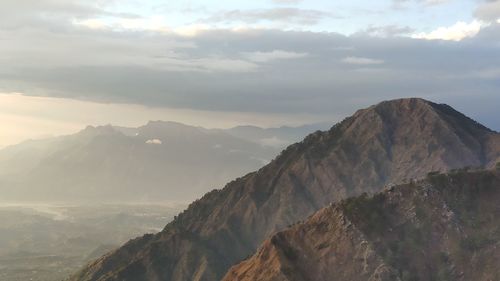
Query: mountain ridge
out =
(380, 145)
(102, 162)
(439, 228)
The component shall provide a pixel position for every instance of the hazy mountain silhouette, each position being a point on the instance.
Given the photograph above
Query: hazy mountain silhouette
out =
(156, 162)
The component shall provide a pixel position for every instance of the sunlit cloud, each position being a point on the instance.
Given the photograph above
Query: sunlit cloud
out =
(153, 23)
(456, 32)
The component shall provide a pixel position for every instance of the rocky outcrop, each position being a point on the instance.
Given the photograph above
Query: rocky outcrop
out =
(443, 228)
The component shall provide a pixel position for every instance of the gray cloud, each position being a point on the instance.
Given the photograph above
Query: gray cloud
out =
(263, 71)
(50, 13)
(488, 10)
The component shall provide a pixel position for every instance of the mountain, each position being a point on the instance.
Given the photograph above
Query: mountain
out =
(383, 144)
(446, 227)
(156, 162)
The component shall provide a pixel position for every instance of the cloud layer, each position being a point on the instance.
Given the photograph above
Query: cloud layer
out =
(56, 48)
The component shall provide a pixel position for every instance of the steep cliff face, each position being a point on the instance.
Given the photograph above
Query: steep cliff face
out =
(315, 250)
(446, 227)
(380, 145)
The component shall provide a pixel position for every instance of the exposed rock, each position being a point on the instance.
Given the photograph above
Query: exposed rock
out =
(453, 235)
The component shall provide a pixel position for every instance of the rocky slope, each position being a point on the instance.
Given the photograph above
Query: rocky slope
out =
(446, 227)
(380, 145)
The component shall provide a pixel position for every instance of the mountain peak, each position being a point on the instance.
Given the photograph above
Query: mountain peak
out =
(408, 102)
(160, 124)
(168, 128)
(416, 108)
(401, 105)
(383, 144)
(98, 130)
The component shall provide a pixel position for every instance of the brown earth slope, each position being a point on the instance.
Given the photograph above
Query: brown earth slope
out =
(446, 227)
(380, 145)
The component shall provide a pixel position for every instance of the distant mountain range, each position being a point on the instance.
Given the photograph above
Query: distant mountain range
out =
(161, 161)
(385, 144)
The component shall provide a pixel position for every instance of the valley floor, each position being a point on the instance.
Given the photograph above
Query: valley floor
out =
(47, 242)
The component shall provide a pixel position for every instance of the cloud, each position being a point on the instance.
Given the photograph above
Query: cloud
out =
(268, 75)
(287, 1)
(154, 141)
(153, 23)
(491, 73)
(221, 70)
(488, 11)
(284, 15)
(36, 13)
(456, 32)
(361, 61)
(263, 57)
(435, 2)
(398, 3)
(387, 31)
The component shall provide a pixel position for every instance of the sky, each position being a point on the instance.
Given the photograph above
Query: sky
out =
(66, 64)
